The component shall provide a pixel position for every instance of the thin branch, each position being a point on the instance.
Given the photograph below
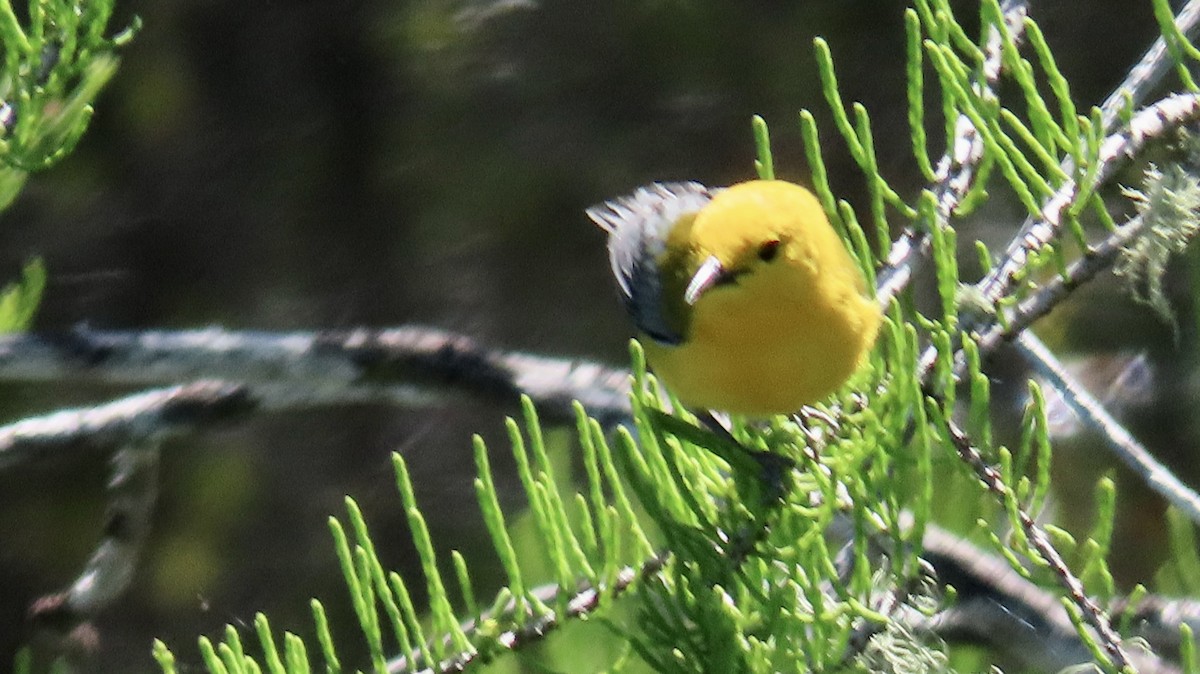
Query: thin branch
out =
(1045, 298)
(581, 604)
(1041, 544)
(1145, 75)
(1137, 85)
(1157, 619)
(407, 365)
(144, 417)
(64, 617)
(1152, 122)
(1051, 292)
(1020, 621)
(1123, 444)
(276, 371)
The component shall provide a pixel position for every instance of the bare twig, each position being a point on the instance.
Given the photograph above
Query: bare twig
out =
(1157, 476)
(135, 426)
(145, 417)
(64, 617)
(409, 365)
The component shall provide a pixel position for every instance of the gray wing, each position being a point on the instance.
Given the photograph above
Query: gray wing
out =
(637, 227)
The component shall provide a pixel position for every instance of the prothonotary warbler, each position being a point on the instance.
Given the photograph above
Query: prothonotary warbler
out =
(745, 297)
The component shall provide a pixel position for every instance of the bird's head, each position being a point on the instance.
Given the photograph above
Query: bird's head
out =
(672, 245)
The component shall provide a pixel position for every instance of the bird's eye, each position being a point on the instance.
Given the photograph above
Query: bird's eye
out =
(768, 251)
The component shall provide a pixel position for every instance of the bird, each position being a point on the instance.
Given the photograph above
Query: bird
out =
(745, 298)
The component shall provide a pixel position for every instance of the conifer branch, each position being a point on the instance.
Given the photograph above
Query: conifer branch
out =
(1027, 625)
(1056, 289)
(956, 169)
(1094, 260)
(581, 604)
(995, 606)
(1146, 74)
(1152, 122)
(1038, 540)
(1133, 90)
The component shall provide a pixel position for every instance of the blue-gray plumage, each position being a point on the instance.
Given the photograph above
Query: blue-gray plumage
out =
(638, 226)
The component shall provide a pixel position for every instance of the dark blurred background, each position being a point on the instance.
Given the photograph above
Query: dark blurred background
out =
(294, 165)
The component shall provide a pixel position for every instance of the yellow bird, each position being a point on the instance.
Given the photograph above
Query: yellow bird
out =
(745, 297)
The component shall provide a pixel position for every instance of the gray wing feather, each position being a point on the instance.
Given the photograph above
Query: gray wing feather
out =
(637, 227)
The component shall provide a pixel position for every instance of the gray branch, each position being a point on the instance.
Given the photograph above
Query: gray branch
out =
(1153, 121)
(1137, 85)
(64, 618)
(407, 365)
(147, 417)
(1145, 75)
(1040, 543)
(1122, 443)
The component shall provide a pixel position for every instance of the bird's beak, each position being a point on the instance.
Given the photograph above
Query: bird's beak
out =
(709, 274)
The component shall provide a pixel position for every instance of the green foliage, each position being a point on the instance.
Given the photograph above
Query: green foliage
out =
(775, 546)
(54, 67)
(758, 581)
(1177, 44)
(23, 663)
(778, 546)
(745, 586)
(1180, 575)
(19, 301)
(1187, 655)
